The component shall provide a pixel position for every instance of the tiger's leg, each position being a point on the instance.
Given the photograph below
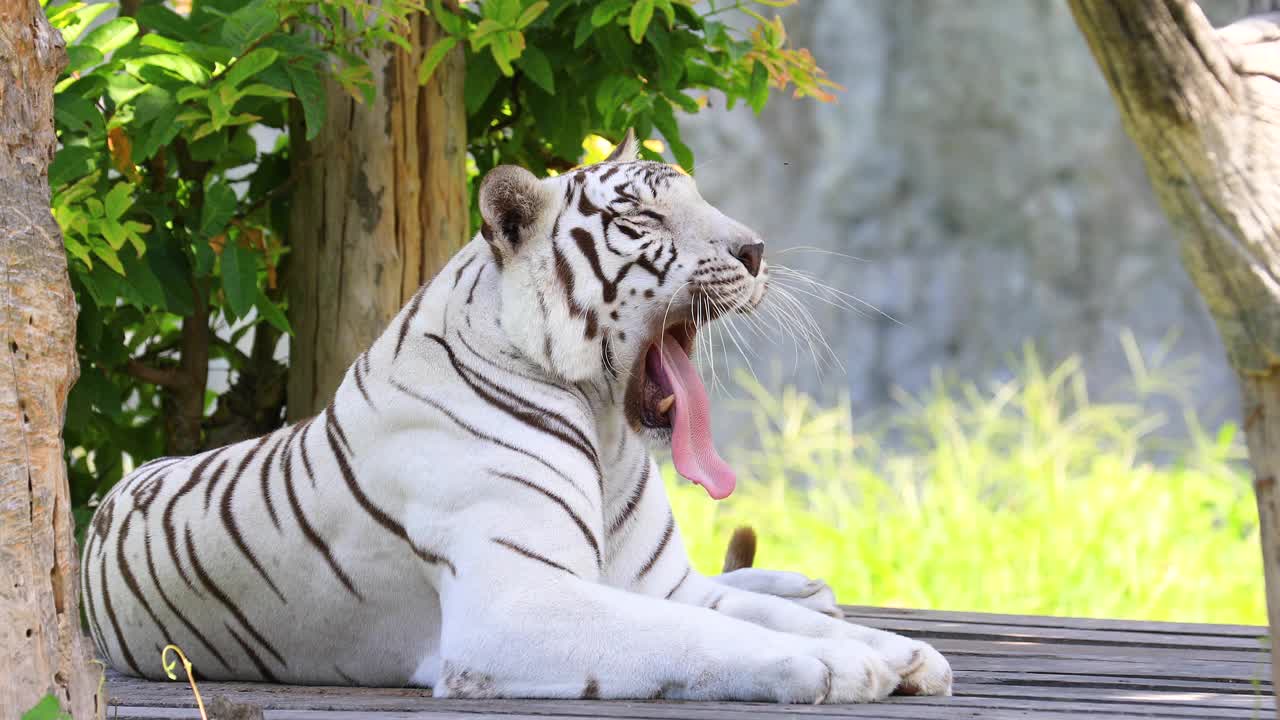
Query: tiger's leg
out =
(553, 634)
(738, 572)
(659, 566)
(810, 593)
(922, 669)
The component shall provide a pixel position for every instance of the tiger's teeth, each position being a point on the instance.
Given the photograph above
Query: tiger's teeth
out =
(665, 404)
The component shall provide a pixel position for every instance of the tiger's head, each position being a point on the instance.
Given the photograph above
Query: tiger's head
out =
(608, 273)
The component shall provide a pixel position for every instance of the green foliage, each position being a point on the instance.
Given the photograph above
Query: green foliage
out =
(47, 709)
(1027, 498)
(173, 212)
(542, 75)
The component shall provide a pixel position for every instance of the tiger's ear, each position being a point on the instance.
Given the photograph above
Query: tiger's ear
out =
(512, 201)
(627, 150)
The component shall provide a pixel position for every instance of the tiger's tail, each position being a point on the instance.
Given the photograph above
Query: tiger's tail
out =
(741, 552)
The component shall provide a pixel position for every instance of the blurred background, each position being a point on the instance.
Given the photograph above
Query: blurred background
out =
(1019, 342)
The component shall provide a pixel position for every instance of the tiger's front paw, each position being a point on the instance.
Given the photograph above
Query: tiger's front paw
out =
(813, 594)
(829, 672)
(921, 669)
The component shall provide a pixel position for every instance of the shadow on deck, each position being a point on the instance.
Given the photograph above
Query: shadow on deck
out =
(1006, 666)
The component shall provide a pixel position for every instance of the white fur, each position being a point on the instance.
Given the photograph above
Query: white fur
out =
(428, 497)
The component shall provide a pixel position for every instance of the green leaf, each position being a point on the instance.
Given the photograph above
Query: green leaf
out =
(118, 200)
(248, 24)
(503, 11)
(105, 253)
(71, 162)
(245, 67)
(264, 90)
(449, 20)
(482, 75)
(179, 65)
(272, 313)
(158, 17)
(170, 266)
(531, 13)
(138, 273)
(583, 31)
(239, 277)
(536, 65)
(758, 94)
(434, 56)
(47, 709)
(219, 206)
(162, 43)
(310, 91)
(607, 10)
(665, 120)
(79, 20)
(638, 22)
(112, 35)
(76, 113)
(81, 58)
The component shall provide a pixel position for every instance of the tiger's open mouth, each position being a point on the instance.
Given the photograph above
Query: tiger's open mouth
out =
(668, 395)
(657, 395)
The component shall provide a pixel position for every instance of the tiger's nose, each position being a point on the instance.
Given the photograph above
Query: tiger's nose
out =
(750, 255)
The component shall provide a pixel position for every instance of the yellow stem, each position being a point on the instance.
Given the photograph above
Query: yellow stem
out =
(186, 664)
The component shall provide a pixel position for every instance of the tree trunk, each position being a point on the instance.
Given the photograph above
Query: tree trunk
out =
(380, 207)
(42, 650)
(1204, 109)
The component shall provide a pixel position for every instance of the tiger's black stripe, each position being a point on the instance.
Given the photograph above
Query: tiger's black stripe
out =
(577, 520)
(535, 416)
(685, 576)
(263, 670)
(213, 482)
(471, 294)
(166, 520)
(378, 514)
(522, 550)
(233, 528)
(357, 371)
(331, 421)
(633, 501)
(404, 326)
(115, 622)
(308, 531)
(130, 580)
(222, 597)
(195, 632)
(264, 475)
(485, 436)
(662, 545)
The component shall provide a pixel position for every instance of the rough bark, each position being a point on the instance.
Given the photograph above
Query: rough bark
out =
(380, 207)
(1203, 106)
(42, 649)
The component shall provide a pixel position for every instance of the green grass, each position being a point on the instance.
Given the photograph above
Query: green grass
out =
(1028, 498)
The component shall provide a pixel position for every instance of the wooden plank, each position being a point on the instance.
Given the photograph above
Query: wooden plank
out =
(145, 713)
(1006, 668)
(961, 708)
(1046, 679)
(859, 613)
(955, 648)
(1047, 696)
(1247, 674)
(928, 629)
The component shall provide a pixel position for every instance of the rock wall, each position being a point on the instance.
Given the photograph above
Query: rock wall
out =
(977, 172)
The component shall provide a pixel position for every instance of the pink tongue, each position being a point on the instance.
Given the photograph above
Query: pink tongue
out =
(695, 457)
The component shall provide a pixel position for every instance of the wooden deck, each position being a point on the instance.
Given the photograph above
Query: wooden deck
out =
(1006, 666)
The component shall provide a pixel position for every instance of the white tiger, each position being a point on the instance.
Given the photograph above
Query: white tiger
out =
(476, 511)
